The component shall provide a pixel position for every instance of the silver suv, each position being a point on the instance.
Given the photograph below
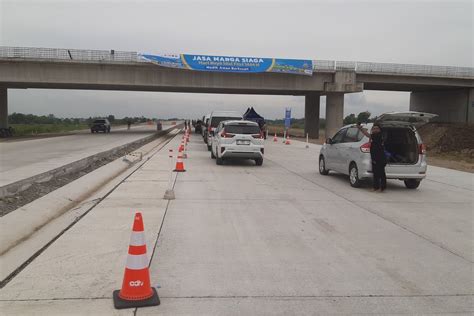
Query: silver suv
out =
(348, 152)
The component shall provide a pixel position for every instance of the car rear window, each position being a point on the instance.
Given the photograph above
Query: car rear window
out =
(99, 121)
(242, 129)
(217, 119)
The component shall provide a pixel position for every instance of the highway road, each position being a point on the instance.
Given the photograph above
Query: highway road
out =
(273, 240)
(25, 158)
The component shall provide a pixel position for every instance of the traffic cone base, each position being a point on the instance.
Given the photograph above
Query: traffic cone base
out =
(120, 303)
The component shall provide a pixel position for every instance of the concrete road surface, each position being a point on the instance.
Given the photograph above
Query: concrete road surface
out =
(273, 240)
(25, 158)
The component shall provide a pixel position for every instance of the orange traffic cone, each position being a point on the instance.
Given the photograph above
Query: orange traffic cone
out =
(179, 164)
(136, 290)
(275, 139)
(287, 141)
(181, 147)
(184, 154)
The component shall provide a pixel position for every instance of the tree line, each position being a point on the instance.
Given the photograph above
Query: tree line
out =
(30, 119)
(362, 117)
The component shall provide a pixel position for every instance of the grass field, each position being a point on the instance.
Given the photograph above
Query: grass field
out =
(34, 129)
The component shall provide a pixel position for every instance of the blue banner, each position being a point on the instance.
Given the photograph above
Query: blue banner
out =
(287, 118)
(232, 64)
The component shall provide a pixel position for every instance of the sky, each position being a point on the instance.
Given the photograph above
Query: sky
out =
(412, 32)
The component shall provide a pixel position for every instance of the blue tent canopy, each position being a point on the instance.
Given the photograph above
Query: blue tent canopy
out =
(252, 115)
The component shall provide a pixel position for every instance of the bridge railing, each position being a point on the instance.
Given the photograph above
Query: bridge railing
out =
(393, 69)
(68, 54)
(318, 65)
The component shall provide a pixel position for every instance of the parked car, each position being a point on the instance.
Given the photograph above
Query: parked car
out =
(348, 151)
(205, 123)
(215, 118)
(100, 125)
(237, 139)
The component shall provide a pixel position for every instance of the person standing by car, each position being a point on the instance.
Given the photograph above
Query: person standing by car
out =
(377, 154)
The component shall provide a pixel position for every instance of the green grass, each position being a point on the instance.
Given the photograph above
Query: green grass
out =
(34, 129)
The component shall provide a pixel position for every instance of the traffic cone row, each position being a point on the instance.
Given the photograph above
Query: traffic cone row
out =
(136, 288)
(181, 152)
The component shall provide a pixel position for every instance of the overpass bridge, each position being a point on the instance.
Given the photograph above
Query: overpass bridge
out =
(446, 91)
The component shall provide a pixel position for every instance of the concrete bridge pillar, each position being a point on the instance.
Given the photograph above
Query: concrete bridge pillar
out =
(3, 108)
(343, 82)
(311, 115)
(454, 105)
(334, 113)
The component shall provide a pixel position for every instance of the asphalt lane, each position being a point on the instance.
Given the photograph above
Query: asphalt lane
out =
(277, 239)
(26, 158)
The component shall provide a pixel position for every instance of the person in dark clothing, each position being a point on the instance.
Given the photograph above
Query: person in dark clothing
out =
(377, 154)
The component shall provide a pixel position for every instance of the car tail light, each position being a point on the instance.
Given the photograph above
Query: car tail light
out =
(422, 149)
(365, 148)
(258, 135)
(226, 135)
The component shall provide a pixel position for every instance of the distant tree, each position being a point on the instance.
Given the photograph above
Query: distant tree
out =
(363, 117)
(111, 118)
(350, 119)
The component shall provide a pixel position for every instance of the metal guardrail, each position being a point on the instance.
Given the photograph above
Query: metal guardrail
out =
(111, 56)
(68, 54)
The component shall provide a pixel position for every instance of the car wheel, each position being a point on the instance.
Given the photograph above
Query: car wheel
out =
(354, 176)
(219, 161)
(259, 161)
(212, 154)
(322, 166)
(412, 183)
(92, 131)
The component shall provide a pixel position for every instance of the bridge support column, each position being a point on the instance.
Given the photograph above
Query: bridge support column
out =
(311, 115)
(3, 108)
(453, 106)
(334, 113)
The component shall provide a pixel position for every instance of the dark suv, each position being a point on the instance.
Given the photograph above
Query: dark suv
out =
(101, 125)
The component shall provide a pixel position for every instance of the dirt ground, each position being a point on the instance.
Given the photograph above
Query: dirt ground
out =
(448, 145)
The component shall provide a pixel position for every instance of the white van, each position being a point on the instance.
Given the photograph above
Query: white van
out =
(217, 117)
